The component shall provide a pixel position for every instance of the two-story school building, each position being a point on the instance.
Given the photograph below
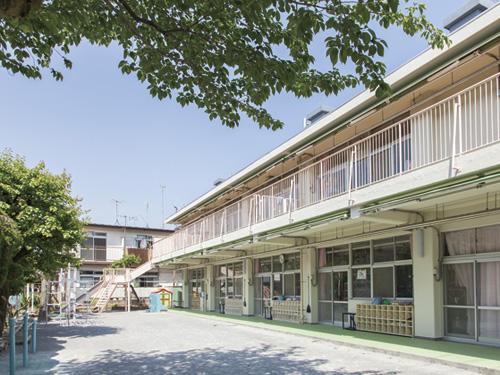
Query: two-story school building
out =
(387, 208)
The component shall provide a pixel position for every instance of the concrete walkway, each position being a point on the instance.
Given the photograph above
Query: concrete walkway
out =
(188, 343)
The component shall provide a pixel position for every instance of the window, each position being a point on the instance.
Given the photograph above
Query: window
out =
(341, 256)
(230, 281)
(292, 262)
(265, 264)
(94, 246)
(143, 241)
(149, 280)
(403, 248)
(383, 250)
(404, 281)
(325, 286)
(277, 266)
(383, 283)
(289, 285)
(340, 291)
(325, 257)
(459, 284)
(277, 291)
(361, 283)
(473, 241)
(361, 253)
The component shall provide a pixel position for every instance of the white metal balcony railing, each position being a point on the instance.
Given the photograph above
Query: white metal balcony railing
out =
(460, 123)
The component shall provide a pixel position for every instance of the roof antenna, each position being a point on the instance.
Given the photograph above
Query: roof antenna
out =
(117, 202)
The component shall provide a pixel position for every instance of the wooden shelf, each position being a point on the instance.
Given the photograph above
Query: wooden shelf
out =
(392, 319)
(287, 310)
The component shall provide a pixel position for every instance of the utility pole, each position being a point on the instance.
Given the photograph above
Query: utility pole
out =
(163, 187)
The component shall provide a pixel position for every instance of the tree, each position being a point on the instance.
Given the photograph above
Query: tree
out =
(126, 261)
(40, 225)
(224, 56)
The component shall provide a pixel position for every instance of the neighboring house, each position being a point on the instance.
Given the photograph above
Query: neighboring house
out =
(393, 199)
(106, 243)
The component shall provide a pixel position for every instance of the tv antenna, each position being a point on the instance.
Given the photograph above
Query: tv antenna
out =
(163, 188)
(117, 203)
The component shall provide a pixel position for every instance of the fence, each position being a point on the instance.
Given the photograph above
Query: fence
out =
(458, 124)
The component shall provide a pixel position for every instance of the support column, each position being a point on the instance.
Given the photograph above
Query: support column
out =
(210, 287)
(427, 291)
(248, 287)
(309, 285)
(185, 289)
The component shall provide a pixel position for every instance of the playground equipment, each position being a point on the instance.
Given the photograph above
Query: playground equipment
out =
(160, 300)
(59, 297)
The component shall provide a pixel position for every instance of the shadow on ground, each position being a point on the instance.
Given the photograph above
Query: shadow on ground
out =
(51, 338)
(207, 361)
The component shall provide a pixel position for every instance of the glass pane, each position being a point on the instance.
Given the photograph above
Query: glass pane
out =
(361, 283)
(459, 285)
(403, 250)
(289, 287)
(277, 266)
(383, 250)
(238, 287)
(258, 287)
(488, 239)
(361, 253)
(266, 287)
(340, 286)
(265, 265)
(88, 243)
(238, 269)
(404, 281)
(325, 286)
(338, 309)
(325, 311)
(258, 307)
(230, 287)
(100, 243)
(489, 324)
(292, 262)
(383, 284)
(230, 270)
(341, 257)
(459, 322)
(277, 291)
(297, 285)
(460, 242)
(222, 288)
(324, 257)
(489, 284)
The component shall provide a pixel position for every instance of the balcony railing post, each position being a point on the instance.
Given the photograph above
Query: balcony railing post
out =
(321, 188)
(400, 149)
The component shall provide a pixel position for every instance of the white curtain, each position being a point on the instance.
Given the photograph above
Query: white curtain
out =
(488, 239)
(489, 295)
(461, 242)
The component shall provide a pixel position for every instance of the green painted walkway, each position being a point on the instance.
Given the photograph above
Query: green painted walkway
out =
(463, 355)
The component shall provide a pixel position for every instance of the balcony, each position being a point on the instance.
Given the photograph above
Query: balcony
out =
(447, 130)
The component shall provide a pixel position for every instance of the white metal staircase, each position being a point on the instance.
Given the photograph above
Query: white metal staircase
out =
(141, 270)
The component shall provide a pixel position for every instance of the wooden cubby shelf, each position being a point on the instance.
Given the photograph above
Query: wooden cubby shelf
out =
(392, 319)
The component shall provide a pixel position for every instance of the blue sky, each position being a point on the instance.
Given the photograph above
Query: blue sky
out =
(119, 143)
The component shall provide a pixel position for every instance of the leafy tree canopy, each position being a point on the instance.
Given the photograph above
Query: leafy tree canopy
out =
(126, 261)
(221, 55)
(40, 225)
